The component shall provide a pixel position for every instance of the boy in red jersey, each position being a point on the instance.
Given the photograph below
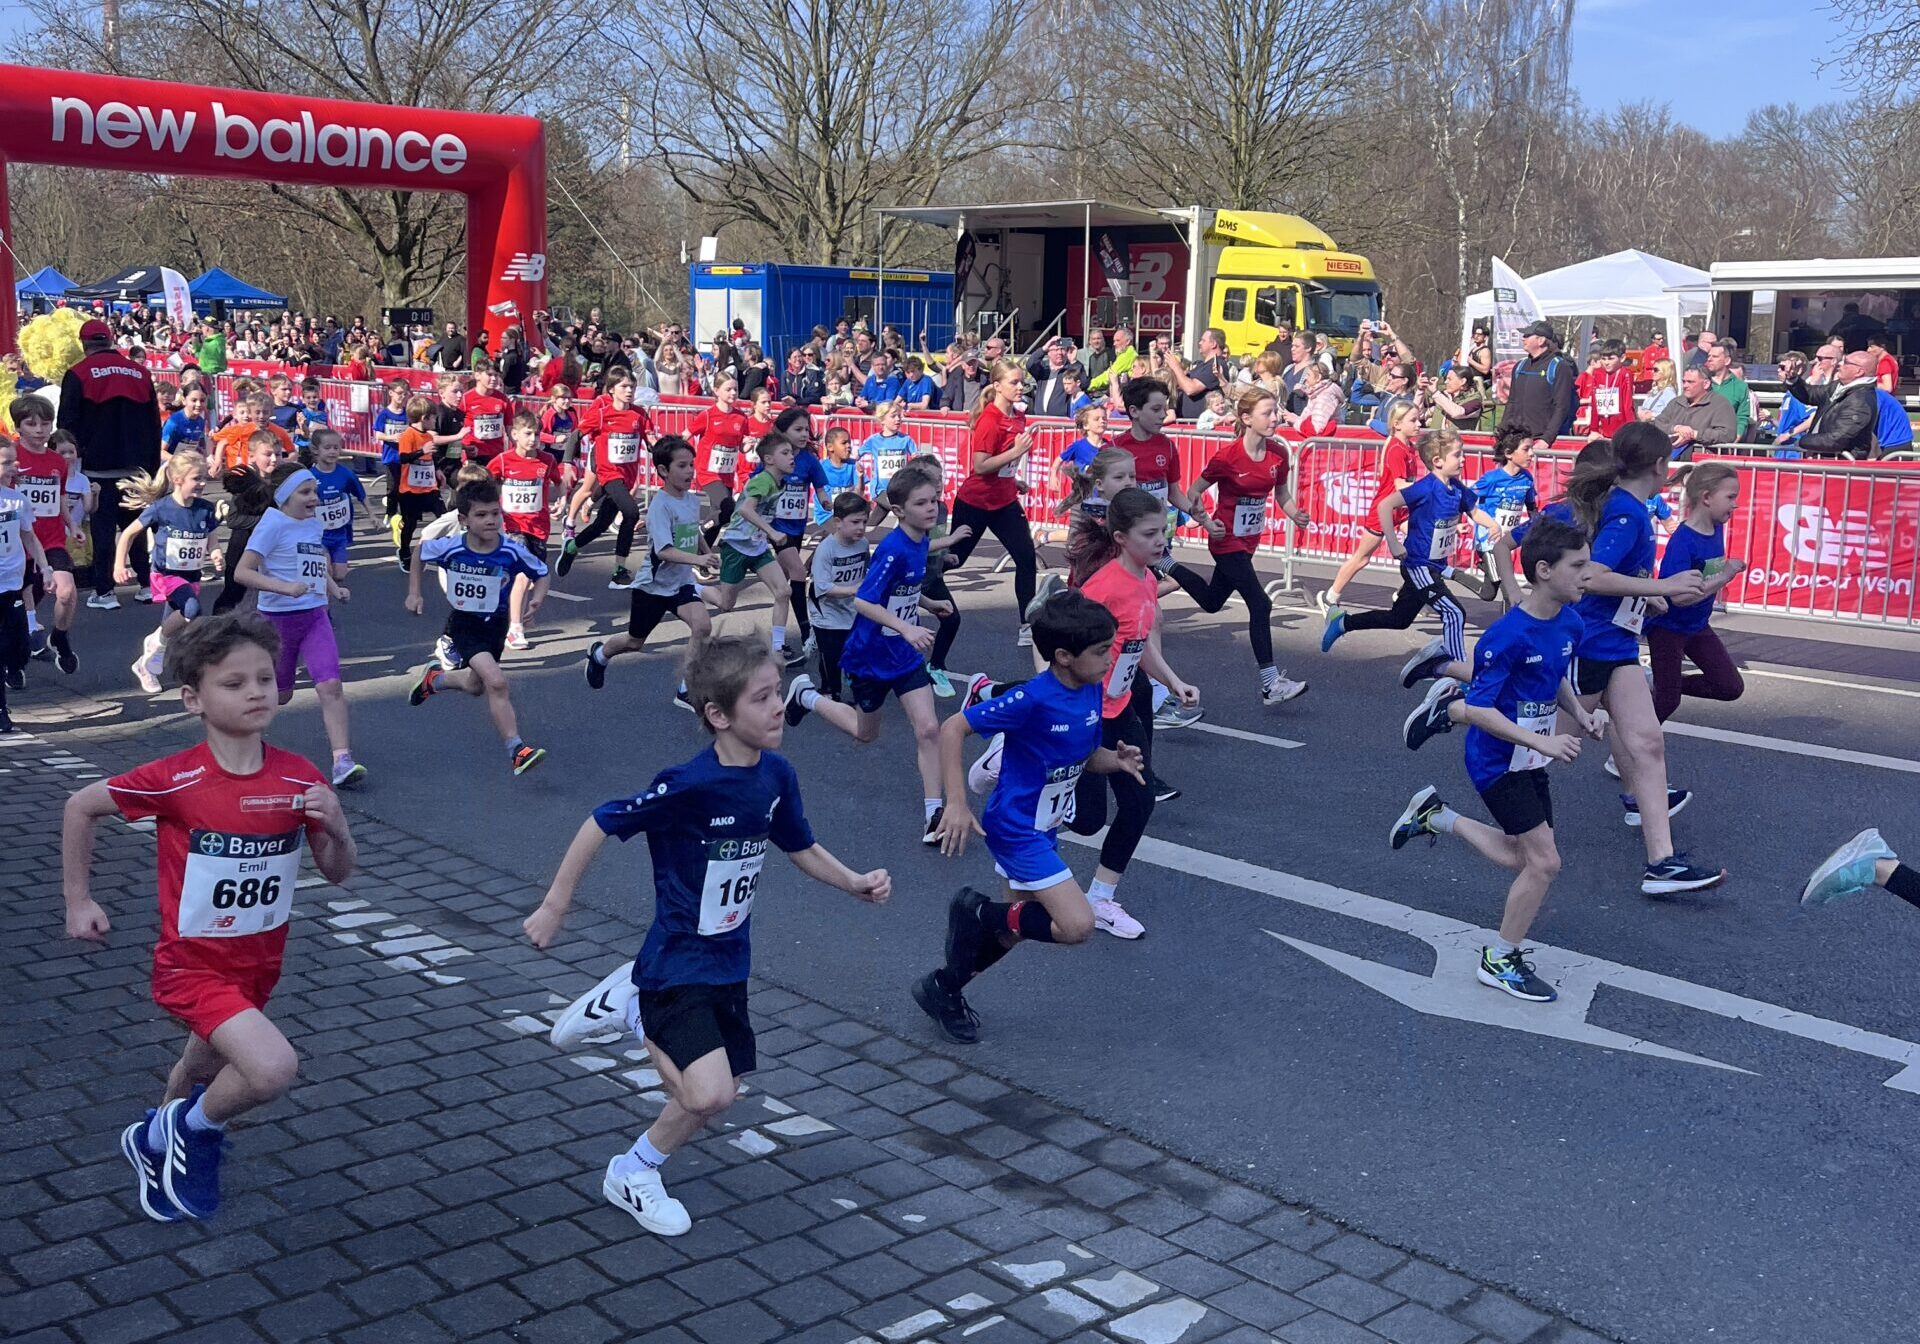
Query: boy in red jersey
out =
(1606, 391)
(484, 435)
(619, 432)
(50, 486)
(530, 480)
(232, 814)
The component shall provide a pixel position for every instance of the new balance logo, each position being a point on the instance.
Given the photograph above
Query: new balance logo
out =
(1815, 537)
(528, 266)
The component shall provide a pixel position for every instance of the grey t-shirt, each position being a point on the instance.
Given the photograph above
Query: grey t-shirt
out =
(676, 523)
(837, 564)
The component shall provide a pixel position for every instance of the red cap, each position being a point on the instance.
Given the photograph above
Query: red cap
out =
(95, 330)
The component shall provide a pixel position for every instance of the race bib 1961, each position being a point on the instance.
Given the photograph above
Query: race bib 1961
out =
(733, 875)
(478, 593)
(43, 493)
(237, 884)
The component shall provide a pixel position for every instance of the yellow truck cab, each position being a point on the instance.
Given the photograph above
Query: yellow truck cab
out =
(1271, 269)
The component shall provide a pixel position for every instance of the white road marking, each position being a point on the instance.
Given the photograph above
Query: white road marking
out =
(1037, 1273)
(1119, 1291)
(798, 1126)
(1242, 735)
(1453, 991)
(565, 597)
(752, 1143)
(1161, 1323)
(1817, 750)
(917, 1324)
(1071, 1305)
(1829, 681)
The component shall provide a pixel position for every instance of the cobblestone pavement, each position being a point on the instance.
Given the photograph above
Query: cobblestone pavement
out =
(435, 1173)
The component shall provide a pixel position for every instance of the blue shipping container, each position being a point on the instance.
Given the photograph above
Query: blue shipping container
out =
(781, 304)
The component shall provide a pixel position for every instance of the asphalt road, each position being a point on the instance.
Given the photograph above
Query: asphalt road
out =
(1672, 1163)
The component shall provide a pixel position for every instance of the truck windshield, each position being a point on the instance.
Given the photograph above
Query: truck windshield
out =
(1338, 310)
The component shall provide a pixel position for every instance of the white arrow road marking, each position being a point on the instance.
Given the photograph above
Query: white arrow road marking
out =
(1814, 749)
(1576, 973)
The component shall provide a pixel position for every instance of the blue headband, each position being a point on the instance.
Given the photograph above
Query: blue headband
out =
(292, 483)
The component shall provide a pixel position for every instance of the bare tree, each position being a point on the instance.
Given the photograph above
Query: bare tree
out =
(1234, 110)
(803, 120)
(476, 55)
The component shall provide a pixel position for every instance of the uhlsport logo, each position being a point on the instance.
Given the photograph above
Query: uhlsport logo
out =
(1348, 492)
(528, 266)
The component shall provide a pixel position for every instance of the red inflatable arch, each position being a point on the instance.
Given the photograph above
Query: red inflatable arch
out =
(104, 121)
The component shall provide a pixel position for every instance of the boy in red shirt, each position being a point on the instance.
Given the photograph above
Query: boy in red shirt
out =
(50, 486)
(530, 480)
(485, 432)
(232, 815)
(1606, 392)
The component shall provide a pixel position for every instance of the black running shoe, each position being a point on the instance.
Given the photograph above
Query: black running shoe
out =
(797, 711)
(16, 678)
(1424, 665)
(65, 660)
(1513, 974)
(932, 834)
(964, 931)
(565, 565)
(793, 657)
(1163, 792)
(622, 577)
(1673, 875)
(6, 722)
(682, 701)
(1430, 717)
(38, 644)
(947, 1007)
(596, 668)
(1418, 818)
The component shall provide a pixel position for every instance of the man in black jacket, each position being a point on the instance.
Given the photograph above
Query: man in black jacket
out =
(108, 403)
(1542, 397)
(1845, 409)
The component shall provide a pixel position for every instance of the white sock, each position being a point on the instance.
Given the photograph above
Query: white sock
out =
(631, 1015)
(933, 805)
(646, 1154)
(599, 655)
(779, 638)
(1160, 694)
(156, 1139)
(33, 621)
(809, 698)
(1503, 948)
(1443, 820)
(1098, 891)
(1269, 677)
(197, 1117)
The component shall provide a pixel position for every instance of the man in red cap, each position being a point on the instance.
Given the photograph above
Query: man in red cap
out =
(108, 402)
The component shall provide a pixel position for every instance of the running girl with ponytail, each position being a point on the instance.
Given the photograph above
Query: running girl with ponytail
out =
(988, 500)
(717, 435)
(1107, 473)
(1683, 631)
(1245, 472)
(1607, 495)
(619, 430)
(180, 526)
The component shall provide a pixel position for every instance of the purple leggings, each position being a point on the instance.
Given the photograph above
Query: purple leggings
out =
(1717, 678)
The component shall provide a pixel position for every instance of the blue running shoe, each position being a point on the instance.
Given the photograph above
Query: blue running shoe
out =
(191, 1170)
(1513, 974)
(1847, 871)
(1336, 627)
(146, 1169)
(1677, 799)
(1417, 820)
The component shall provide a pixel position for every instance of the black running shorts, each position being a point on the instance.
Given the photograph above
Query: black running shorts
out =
(1519, 801)
(690, 1022)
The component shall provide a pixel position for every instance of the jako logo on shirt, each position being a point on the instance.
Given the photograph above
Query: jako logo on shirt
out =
(120, 125)
(1815, 538)
(721, 821)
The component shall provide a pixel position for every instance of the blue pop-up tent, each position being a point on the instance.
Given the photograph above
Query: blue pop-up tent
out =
(45, 283)
(230, 290)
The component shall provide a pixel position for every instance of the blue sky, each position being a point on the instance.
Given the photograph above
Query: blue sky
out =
(1711, 69)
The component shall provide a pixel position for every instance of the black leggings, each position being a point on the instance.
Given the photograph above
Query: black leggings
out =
(105, 526)
(831, 644)
(1133, 801)
(1420, 586)
(416, 506)
(1233, 573)
(1009, 528)
(934, 585)
(233, 592)
(614, 497)
(393, 489)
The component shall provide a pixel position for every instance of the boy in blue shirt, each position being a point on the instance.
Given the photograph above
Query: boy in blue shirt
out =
(477, 568)
(708, 823)
(311, 414)
(1508, 494)
(1050, 733)
(841, 471)
(1517, 687)
(1435, 504)
(886, 651)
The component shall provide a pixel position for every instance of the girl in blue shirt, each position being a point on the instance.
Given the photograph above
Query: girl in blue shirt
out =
(186, 428)
(389, 423)
(1683, 631)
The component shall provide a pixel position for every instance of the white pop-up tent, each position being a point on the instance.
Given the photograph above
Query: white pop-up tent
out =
(1624, 284)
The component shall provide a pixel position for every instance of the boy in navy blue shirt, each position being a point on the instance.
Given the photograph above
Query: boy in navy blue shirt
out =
(477, 568)
(708, 825)
(886, 652)
(1517, 687)
(1435, 504)
(1050, 734)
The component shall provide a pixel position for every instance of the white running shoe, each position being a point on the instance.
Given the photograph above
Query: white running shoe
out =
(637, 1188)
(1109, 917)
(151, 644)
(1025, 639)
(1611, 768)
(443, 654)
(144, 674)
(103, 602)
(984, 773)
(1283, 691)
(517, 638)
(601, 1009)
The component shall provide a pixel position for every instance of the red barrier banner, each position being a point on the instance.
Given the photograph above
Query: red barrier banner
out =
(1826, 541)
